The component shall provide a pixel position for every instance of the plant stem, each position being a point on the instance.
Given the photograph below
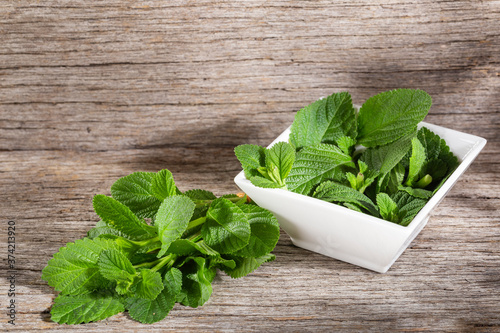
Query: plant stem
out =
(203, 203)
(197, 222)
(422, 183)
(168, 260)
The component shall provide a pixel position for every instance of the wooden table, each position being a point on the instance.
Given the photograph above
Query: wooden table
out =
(91, 91)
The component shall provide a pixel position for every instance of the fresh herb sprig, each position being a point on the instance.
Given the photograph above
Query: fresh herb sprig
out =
(373, 161)
(127, 264)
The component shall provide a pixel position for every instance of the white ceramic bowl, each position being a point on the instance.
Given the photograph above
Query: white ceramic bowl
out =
(345, 234)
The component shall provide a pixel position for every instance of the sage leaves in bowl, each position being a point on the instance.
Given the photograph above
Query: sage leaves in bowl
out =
(375, 161)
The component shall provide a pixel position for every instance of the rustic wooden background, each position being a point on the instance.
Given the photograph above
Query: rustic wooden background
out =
(91, 91)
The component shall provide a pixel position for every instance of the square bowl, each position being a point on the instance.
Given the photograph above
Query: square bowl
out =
(348, 235)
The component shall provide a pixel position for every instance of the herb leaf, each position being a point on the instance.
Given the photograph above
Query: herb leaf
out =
(226, 229)
(150, 311)
(417, 161)
(279, 161)
(163, 185)
(149, 284)
(384, 158)
(121, 218)
(334, 192)
(135, 191)
(84, 308)
(388, 116)
(196, 283)
(314, 164)
(172, 219)
(265, 232)
(245, 266)
(325, 120)
(251, 158)
(74, 270)
(114, 265)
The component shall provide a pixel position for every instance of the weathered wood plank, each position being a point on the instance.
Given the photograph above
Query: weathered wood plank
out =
(92, 91)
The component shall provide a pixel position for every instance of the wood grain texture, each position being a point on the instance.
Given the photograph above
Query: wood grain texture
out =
(91, 91)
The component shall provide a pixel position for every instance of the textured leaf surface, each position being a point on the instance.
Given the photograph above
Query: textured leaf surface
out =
(251, 158)
(416, 192)
(346, 144)
(280, 156)
(408, 204)
(325, 120)
(151, 311)
(315, 164)
(196, 283)
(84, 308)
(163, 185)
(149, 285)
(121, 218)
(245, 266)
(265, 232)
(73, 270)
(114, 265)
(417, 161)
(441, 161)
(226, 229)
(387, 207)
(334, 192)
(384, 158)
(200, 195)
(185, 247)
(135, 192)
(172, 219)
(390, 115)
(264, 182)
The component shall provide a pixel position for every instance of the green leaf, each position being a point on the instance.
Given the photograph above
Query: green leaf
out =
(151, 311)
(395, 179)
(135, 192)
(222, 263)
(202, 199)
(196, 283)
(334, 192)
(183, 247)
(384, 158)
(200, 195)
(149, 284)
(417, 161)
(114, 265)
(172, 219)
(251, 158)
(103, 229)
(325, 120)
(121, 218)
(264, 182)
(163, 185)
(390, 115)
(416, 192)
(346, 144)
(265, 232)
(73, 270)
(245, 266)
(84, 308)
(315, 164)
(387, 207)
(280, 157)
(441, 161)
(409, 205)
(226, 229)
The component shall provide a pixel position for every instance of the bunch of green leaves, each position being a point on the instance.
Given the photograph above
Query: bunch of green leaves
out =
(374, 160)
(154, 247)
